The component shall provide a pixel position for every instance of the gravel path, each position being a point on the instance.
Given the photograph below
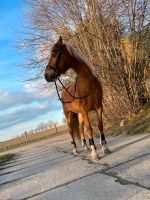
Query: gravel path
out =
(47, 170)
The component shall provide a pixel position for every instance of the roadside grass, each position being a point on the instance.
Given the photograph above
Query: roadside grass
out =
(139, 123)
(5, 158)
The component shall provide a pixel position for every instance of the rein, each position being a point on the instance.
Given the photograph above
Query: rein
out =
(73, 96)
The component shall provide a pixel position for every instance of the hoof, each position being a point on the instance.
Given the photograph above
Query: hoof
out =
(106, 152)
(95, 158)
(75, 153)
(85, 148)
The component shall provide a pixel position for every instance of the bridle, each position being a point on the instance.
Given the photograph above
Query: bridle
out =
(58, 57)
(55, 68)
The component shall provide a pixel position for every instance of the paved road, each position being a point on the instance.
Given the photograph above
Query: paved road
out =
(48, 170)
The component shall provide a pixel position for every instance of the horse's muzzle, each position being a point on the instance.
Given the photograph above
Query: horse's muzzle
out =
(51, 76)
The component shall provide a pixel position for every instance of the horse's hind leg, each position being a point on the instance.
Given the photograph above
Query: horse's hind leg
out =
(94, 154)
(70, 121)
(81, 128)
(103, 142)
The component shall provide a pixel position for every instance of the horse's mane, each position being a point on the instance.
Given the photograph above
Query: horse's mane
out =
(78, 56)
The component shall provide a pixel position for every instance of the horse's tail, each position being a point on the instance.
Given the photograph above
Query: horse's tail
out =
(76, 132)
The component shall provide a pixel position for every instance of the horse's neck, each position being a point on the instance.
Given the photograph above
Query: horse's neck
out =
(84, 72)
(86, 78)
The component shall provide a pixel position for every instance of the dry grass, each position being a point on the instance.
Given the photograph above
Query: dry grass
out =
(5, 158)
(138, 123)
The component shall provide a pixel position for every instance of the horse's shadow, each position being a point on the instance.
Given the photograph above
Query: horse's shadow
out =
(129, 143)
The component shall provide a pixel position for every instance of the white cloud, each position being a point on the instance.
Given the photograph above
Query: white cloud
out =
(23, 97)
(20, 106)
(26, 113)
(38, 92)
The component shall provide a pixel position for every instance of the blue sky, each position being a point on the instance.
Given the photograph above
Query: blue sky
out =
(22, 105)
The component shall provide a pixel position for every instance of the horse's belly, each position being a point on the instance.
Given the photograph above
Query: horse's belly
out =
(79, 106)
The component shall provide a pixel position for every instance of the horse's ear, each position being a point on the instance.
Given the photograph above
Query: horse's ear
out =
(59, 42)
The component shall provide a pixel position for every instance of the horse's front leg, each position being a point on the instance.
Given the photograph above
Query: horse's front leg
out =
(94, 154)
(81, 128)
(70, 122)
(103, 142)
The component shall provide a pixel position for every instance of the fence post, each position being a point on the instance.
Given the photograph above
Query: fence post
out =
(55, 128)
(26, 139)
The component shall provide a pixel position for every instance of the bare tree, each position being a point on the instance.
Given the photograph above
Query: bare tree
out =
(50, 123)
(113, 35)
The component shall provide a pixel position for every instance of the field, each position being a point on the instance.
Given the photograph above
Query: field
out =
(31, 137)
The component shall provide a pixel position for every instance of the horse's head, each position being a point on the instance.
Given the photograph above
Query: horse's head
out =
(58, 62)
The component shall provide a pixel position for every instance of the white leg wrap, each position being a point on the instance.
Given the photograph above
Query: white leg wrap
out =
(74, 150)
(94, 154)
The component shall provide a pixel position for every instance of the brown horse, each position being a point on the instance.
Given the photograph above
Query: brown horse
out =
(78, 98)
